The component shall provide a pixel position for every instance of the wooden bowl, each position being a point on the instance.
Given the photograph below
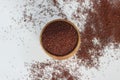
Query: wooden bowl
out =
(68, 55)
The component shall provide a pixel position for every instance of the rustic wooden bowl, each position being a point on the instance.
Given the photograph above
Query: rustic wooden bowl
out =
(73, 52)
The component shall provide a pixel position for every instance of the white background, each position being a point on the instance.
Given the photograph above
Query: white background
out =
(18, 45)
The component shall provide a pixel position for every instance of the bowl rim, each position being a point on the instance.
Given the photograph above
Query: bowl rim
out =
(73, 52)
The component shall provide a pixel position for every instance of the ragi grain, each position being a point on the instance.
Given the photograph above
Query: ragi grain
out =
(59, 38)
(99, 28)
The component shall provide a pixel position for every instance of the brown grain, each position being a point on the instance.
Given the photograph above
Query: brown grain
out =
(103, 23)
(59, 38)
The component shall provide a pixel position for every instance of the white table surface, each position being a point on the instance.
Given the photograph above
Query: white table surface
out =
(19, 45)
